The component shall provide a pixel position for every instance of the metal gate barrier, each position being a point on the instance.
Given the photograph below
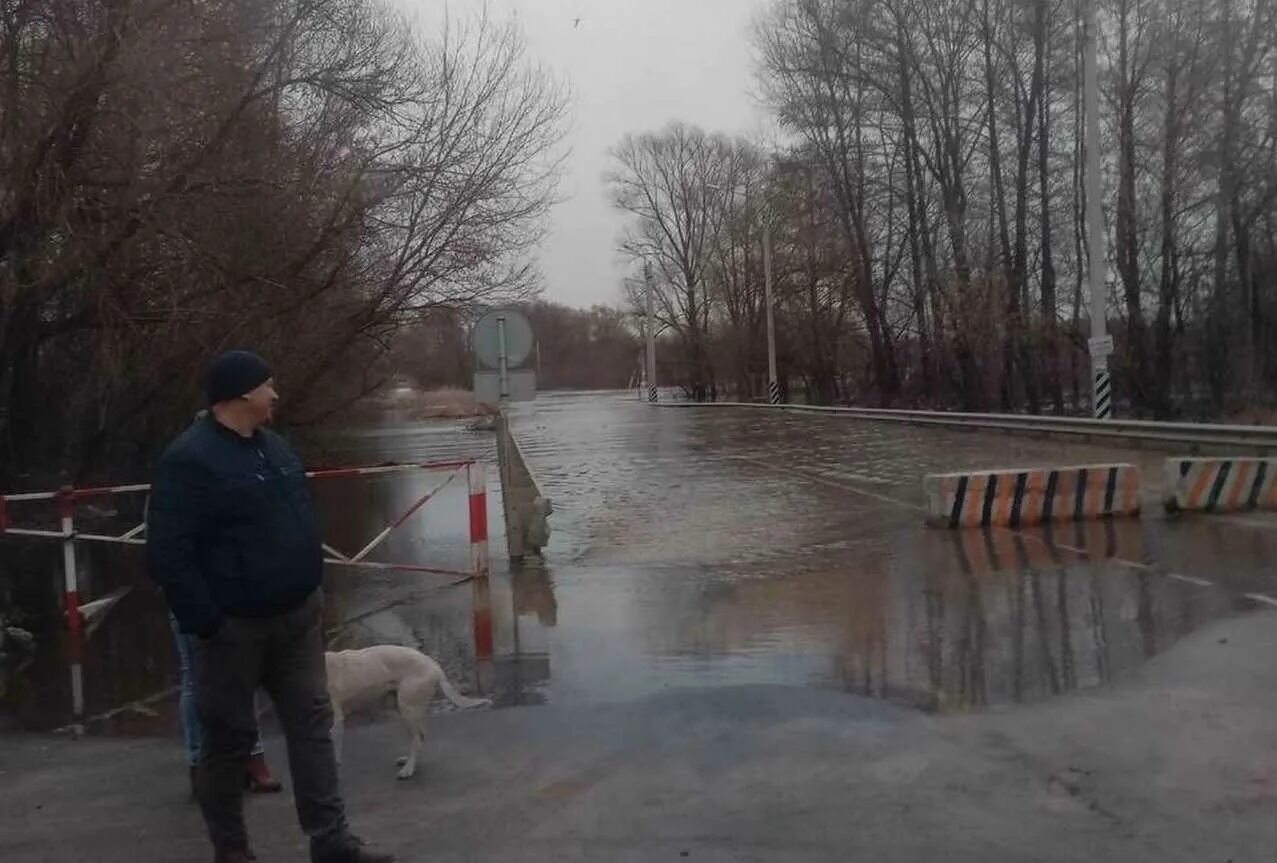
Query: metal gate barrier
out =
(82, 618)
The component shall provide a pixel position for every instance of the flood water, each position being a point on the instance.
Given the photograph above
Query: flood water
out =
(697, 548)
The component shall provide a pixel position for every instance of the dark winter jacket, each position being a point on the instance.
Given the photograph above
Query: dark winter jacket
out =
(231, 528)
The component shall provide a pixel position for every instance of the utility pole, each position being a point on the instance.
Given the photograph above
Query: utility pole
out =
(773, 379)
(1101, 345)
(652, 394)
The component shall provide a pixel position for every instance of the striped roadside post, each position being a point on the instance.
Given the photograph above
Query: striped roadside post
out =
(773, 392)
(75, 620)
(482, 619)
(1103, 397)
(478, 519)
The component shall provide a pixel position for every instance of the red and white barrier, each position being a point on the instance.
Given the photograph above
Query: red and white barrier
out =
(77, 612)
(75, 620)
(67, 498)
(347, 472)
(478, 483)
(481, 611)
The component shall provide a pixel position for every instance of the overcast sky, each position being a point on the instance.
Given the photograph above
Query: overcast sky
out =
(633, 65)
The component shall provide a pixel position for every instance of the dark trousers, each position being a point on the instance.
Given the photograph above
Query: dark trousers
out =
(285, 656)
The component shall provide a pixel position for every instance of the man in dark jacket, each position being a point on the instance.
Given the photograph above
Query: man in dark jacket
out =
(232, 539)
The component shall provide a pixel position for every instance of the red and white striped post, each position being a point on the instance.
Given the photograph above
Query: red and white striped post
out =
(71, 595)
(475, 475)
(482, 613)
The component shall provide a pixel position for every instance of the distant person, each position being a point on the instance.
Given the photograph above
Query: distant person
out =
(257, 774)
(232, 539)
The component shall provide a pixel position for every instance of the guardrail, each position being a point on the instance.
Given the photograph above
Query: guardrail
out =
(1257, 440)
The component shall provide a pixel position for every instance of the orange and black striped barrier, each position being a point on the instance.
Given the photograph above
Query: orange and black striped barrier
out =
(1019, 498)
(1220, 484)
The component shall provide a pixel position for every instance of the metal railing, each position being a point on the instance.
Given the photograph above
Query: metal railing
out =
(81, 617)
(1258, 440)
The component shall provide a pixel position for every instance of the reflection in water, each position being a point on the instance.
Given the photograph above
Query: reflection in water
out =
(129, 662)
(123, 652)
(522, 673)
(1019, 617)
(488, 634)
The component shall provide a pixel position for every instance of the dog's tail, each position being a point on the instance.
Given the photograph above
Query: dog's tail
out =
(457, 698)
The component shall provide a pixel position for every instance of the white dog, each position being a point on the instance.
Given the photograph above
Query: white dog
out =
(364, 676)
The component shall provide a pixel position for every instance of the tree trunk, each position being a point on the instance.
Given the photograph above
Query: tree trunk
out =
(919, 234)
(1019, 289)
(1168, 286)
(1050, 311)
(1219, 329)
(1127, 246)
(1012, 302)
(1079, 244)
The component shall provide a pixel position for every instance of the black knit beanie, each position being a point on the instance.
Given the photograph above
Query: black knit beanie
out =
(234, 374)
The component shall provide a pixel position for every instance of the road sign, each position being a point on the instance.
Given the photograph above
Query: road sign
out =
(1101, 347)
(521, 386)
(502, 325)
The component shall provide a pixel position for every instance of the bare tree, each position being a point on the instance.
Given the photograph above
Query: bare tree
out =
(959, 109)
(812, 71)
(302, 176)
(675, 184)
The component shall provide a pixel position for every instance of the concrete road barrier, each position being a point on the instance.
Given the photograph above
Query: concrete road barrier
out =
(527, 509)
(1016, 498)
(1220, 484)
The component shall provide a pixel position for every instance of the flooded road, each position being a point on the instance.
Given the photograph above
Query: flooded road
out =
(715, 547)
(710, 547)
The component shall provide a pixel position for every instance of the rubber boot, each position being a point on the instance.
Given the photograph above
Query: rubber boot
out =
(258, 778)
